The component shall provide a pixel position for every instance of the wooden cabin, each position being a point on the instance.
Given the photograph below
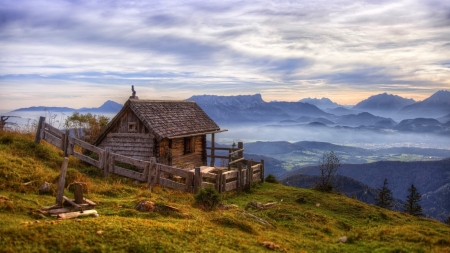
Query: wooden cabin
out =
(172, 131)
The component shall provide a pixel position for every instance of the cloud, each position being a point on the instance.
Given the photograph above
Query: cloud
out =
(281, 49)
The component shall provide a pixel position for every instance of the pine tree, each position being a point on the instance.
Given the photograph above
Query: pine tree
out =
(412, 202)
(385, 196)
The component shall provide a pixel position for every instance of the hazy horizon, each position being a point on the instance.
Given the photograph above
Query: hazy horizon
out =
(81, 53)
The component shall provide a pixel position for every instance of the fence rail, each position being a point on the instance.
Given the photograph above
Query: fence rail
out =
(150, 171)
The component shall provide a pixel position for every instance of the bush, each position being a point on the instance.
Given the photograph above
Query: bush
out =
(271, 179)
(207, 198)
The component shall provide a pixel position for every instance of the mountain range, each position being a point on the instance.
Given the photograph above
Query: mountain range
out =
(107, 107)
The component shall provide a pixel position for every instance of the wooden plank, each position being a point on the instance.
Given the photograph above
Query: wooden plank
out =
(208, 175)
(53, 130)
(69, 209)
(87, 159)
(231, 185)
(206, 184)
(90, 202)
(61, 182)
(175, 171)
(55, 141)
(230, 174)
(171, 184)
(237, 160)
(38, 137)
(127, 135)
(71, 202)
(218, 156)
(86, 145)
(127, 173)
(124, 159)
(256, 177)
(236, 151)
(218, 185)
(189, 183)
(76, 214)
(262, 171)
(232, 149)
(257, 166)
(212, 162)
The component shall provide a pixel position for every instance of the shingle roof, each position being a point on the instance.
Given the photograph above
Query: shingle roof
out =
(166, 119)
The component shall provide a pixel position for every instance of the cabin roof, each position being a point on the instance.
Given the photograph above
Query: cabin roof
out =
(167, 118)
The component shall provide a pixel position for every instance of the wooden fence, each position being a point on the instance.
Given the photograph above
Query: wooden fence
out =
(150, 171)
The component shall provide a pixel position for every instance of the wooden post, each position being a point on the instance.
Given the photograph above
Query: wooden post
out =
(261, 171)
(112, 161)
(63, 144)
(240, 146)
(106, 163)
(219, 181)
(78, 192)
(197, 180)
(38, 137)
(213, 160)
(65, 141)
(223, 182)
(239, 178)
(152, 174)
(61, 182)
(229, 159)
(249, 179)
(189, 180)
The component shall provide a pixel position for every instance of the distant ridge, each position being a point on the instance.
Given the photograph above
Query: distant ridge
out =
(437, 105)
(107, 107)
(252, 108)
(383, 104)
(323, 103)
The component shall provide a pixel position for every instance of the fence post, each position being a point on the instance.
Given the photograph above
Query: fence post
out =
(240, 146)
(78, 192)
(261, 171)
(213, 160)
(249, 174)
(239, 178)
(38, 137)
(61, 182)
(219, 181)
(197, 180)
(106, 162)
(66, 143)
(229, 159)
(152, 174)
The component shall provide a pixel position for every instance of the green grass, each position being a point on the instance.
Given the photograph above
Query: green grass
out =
(298, 227)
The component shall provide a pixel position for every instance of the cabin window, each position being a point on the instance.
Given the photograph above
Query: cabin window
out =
(188, 145)
(132, 127)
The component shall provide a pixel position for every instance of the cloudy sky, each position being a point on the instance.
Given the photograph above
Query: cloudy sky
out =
(82, 53)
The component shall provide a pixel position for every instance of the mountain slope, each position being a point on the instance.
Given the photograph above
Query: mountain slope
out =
(363, 118)
(323, 103)
(431, 178)
(295, 224)
(384, 104)
(437, 105)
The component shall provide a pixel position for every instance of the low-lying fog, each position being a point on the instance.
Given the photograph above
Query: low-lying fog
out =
(363, 138)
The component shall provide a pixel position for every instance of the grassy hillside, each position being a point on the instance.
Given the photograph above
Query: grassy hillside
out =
(302, 221)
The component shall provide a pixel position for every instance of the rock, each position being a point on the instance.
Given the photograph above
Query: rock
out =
(45, 188)
(3, 197)
(100, 232)
(343, 239)
(270, 245)
(145, 206)
(96, 215)
(318, 204)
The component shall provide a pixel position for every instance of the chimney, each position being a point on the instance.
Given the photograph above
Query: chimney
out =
(133, 95)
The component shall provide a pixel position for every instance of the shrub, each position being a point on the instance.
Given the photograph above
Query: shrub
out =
(271, 179)
(207, 198)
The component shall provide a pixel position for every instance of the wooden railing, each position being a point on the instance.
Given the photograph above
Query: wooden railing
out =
(150, 171)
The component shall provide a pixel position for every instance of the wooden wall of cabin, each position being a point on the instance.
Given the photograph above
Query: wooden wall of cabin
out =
(129, 137)
(190, 160)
